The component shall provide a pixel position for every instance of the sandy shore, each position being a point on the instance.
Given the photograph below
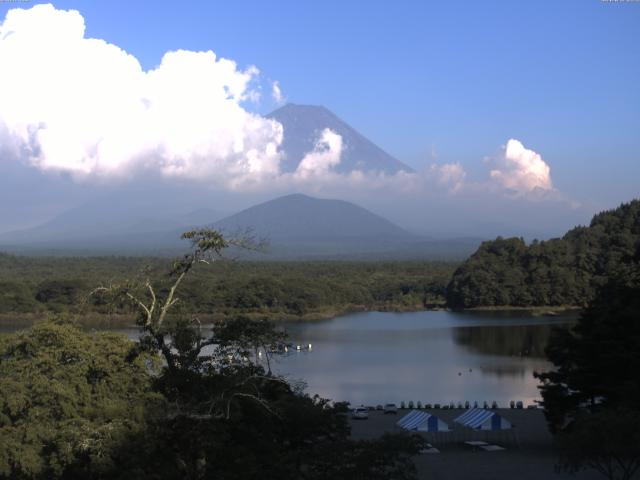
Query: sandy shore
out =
(529, 453)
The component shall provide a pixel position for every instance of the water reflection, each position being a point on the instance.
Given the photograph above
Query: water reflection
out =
(512, 340)
(434, 357)
(504, 370)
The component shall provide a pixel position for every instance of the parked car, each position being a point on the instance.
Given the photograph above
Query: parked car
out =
(390, 408)
(360, 413)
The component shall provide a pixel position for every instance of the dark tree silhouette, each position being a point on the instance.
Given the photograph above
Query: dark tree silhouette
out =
(592, 397)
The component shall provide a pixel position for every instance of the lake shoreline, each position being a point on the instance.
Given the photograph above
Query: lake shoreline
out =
(534, 309)
(434, 356)
(97, 320)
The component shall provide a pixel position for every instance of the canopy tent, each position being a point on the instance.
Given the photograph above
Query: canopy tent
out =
(422, 422)
(481, 419)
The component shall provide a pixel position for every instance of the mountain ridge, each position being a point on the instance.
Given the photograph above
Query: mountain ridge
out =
(299, 216)
(297, 226)
(303, 125)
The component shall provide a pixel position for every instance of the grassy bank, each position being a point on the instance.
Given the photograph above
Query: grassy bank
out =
(110, 320)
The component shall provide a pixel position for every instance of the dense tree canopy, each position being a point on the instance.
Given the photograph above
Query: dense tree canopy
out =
(565, 271)
(592, 397)
(273, 289)
(183, 402)
(67, 400)
(606, 440)
(597, 361)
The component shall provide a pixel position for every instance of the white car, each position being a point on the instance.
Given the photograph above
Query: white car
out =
(360, 413)
(390, 408)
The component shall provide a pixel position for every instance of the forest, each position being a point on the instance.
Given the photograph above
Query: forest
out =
(38, 286)
(564, 271)
(80, 405)
(506, 272)
(100, 406)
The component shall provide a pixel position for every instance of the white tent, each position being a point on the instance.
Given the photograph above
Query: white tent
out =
(481, 419)
(422, 422)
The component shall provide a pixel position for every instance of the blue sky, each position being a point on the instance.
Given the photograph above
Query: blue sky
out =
(454, 79)
(458, 78)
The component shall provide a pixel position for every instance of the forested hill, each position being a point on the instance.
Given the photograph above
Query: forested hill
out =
(562, 271)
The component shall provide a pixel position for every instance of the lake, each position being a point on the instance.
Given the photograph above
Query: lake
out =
(434, 356)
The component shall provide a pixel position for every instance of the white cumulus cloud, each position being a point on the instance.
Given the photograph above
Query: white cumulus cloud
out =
(325, 155)
(86, 106)
(520, 169)
(276, 93)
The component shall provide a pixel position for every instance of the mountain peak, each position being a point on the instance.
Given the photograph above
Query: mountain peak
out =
(301, 107)
(297, 195)
(299, 216)
(303, 125)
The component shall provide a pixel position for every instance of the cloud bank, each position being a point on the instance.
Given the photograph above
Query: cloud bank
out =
(450, 175)
(85, 106)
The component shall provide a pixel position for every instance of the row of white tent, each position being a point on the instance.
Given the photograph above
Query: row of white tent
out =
(476, 418)
(422, 422)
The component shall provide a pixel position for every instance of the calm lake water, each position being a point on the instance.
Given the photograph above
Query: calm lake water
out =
(435, 357)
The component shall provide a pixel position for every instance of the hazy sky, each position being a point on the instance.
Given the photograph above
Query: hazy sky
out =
(442, 86)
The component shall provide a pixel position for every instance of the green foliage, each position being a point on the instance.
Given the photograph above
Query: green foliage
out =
(67, 399)
(381, 459)
(206, 239)
(225, 288)
(79, 405)
(15, 296)
(228, 418)
(597, 361)
(607, 441)
(592, 397)
(224, 416)
(245, 338)
(565, 271)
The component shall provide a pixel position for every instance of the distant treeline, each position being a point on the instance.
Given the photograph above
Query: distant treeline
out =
(563, 271)
(37, 285)
(505, 272)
